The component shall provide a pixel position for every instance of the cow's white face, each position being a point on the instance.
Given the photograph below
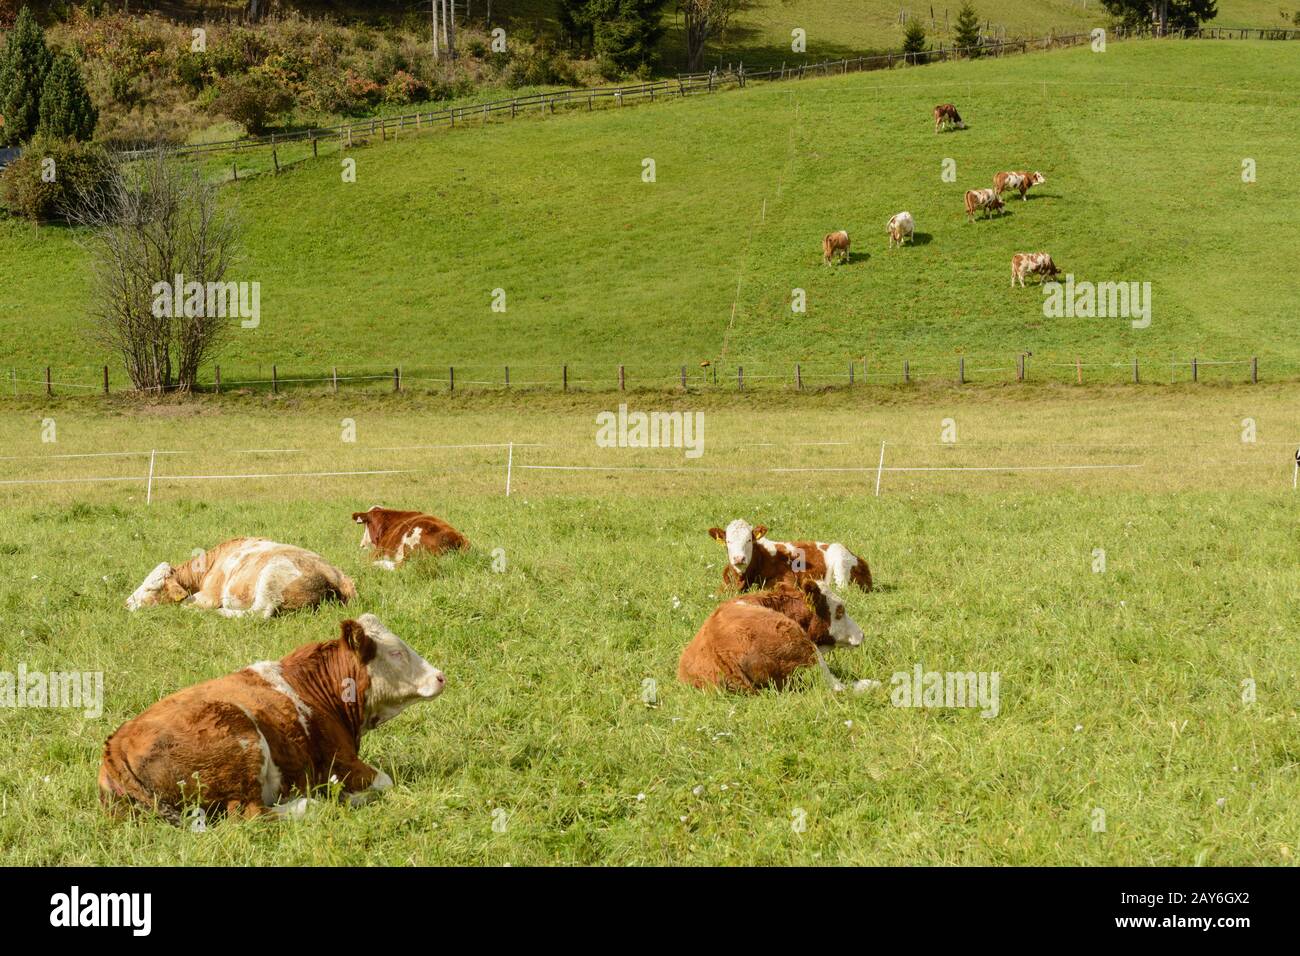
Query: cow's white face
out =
(844, 631)
(740, 540)
(1037, 179)
(399, 677)
(157, 588)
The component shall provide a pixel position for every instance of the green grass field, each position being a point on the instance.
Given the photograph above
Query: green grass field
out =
(1120, 691)
(1142, 147)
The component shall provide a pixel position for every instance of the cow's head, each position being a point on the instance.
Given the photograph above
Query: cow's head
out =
(399, 677)
(831, 623)
(160, 587)
(1037, 179)
(996, 204)
(739, 539)
(371, 520)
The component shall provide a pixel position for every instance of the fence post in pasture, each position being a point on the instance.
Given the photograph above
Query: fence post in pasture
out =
(1078, 370)
(218, 381)
(105, 379)
(451, 379)
(234, 171)
(49, 386)
(507, 376)
(275, 158)
(1195, 377)
(961, 370)
(798, 376)
(1020, 370)
(907, 372)
(621, 382)
(336, 379)
(1135, 370)
(1254, 370)
(313, 146)
(564, 371)
(850, 373)
(275, 381)
(683, 378)
(740, 377)
(397, 379)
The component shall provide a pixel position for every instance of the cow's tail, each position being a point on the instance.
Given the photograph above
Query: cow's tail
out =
(120, 790)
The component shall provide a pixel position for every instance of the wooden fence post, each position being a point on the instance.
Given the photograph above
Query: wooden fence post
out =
(451, 379)
(1020, 371)
(621, 382)
(1135, 370)
(105, 379)
(1195, 376)
(961, 370)
(313, 146)
(234, 171)
(683, 376)
(507, 376)
(907, 371)
(218, 383)
(1254, 370)
(798, 376)
(1078, 370)
(275, 159)
(336, 379)
(850, 373)
(565, 372)
(275, 381)
(49, 387)
(397, 379)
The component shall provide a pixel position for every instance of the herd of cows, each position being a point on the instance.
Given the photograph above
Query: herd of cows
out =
(902, 226)
(263, 739)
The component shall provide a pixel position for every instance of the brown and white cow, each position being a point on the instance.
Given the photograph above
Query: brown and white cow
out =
(986, 199)
(945, 114)
(264, 738)
(753, 560)
(835, 242)
(900, 226)
(393, 535)
(759, 639)
(1020, 180)
(1032, 263)
(246, 576)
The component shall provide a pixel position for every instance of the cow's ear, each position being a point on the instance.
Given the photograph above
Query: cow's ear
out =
(359, 517)
(717, 534)
(355, 639)
(760, 531)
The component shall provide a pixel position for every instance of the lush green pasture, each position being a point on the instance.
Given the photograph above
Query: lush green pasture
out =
(1142, 147)
(1119, 691)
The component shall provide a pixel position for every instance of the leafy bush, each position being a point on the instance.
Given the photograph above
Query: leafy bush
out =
(44, 183)
(404, 89)
(252, 99)
(542, 65)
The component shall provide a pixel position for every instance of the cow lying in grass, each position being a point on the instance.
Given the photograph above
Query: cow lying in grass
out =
(246, 576)
(261, 739)
(759, 639)
(393, 535)
(753, 560)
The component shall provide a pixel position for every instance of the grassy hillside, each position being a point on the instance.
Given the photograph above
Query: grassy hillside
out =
(1142, 148)
(1119, 690)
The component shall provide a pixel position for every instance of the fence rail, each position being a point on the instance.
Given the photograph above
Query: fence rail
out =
(969, 369)
(681, 86)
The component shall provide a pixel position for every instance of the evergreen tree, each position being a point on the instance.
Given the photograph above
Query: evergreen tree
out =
(914, 41)
(23, 67)
(66, 110)
(966, 35)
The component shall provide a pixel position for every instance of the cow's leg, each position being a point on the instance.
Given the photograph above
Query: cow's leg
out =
(831, 679)
(201, 600)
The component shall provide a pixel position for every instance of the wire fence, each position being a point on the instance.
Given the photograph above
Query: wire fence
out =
(712, 376)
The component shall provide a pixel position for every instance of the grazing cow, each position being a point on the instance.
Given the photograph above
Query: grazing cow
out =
(754, 560)
(833, 243)
(392, 535)
(261, 739)
(1017, 180)
(1031, 263)
(986, 199)
(759, 639)
(901, 226)
(246, 576)
(946, 115)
